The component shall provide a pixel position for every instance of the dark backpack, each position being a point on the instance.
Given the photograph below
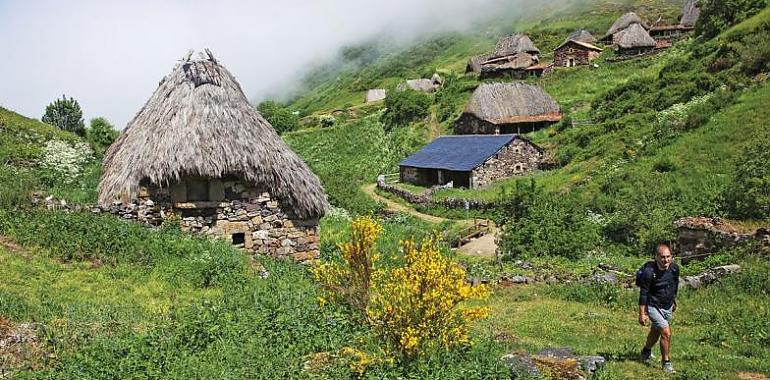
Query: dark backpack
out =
(640, 273)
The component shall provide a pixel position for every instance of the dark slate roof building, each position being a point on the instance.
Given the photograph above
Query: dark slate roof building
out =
(471, 161)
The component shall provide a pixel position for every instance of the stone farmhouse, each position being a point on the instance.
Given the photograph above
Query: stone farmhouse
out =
(199, 153)
(471, 161)
(515, 56)
(507, 108)
(577, 50)
(690, 15)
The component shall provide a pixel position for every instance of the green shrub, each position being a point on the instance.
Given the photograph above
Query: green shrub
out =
(718, 15)
(66, 115)
(404, 107)
(750, 196)
(280, 117)
(101, 134)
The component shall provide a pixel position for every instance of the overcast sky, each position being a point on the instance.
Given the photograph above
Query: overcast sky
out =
(110, 55)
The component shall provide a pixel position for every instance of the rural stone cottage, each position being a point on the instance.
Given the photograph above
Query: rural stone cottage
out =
(622, 23)
(506, 108)
(512, 56)
(633, 40)
(690, 15)
(578, 49)
(472, 161)
(199, 152)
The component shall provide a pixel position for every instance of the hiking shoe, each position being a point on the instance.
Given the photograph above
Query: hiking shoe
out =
(669, 368)
(646, 355)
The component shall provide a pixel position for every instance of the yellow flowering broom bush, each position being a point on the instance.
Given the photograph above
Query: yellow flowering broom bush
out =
(416, 307)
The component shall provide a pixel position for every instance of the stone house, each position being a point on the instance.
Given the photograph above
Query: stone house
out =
(471, 161)
(507, 108)
(633, 40)
(575, 53)
(620, 24)
(198, 152)
(686, 25)
(511, 57)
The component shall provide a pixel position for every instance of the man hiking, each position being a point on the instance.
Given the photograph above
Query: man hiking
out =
(658, 282)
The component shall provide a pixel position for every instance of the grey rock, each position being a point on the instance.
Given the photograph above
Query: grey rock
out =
(520, 364)
(591, 364)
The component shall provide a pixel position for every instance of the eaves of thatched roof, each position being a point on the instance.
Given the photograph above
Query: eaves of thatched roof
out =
(635, 36)
(506, 103)
(199, 122)
(517, 43)
(515, 62)
(580, 44)
(624, 22)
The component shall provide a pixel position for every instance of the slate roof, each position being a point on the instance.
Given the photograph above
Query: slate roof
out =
(458, 153)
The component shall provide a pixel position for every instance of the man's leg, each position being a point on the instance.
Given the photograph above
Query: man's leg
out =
(665, 343)
(652, 338)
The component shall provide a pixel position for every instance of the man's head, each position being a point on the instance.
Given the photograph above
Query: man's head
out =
(663, 256)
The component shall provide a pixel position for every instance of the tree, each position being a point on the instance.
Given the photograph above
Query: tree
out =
(404, 107)
(718, 15)
(280, 117)
(101, 133)
(66, 115)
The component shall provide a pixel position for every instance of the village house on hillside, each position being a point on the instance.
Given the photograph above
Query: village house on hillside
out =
(577, 49)
(622, 23)
(471, 161)
(375, 94)
(422, 84)
(633, 40)
(690, 15)
(505, 108)
(515, 55)
(199, 152)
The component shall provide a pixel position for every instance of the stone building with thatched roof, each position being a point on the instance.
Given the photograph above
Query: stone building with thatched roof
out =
(578, 49)
(690, 15)
(511, 56)
(471, 161)
(633, 40)
(199, 152)
(506, 108)
(622, 23)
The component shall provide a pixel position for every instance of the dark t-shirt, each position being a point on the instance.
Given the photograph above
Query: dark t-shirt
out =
(658, 288)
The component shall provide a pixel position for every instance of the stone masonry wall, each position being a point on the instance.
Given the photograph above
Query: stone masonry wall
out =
(698, 237)
(518, 158)
(580, 55)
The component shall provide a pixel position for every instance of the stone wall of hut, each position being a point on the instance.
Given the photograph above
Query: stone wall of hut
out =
(248, 217)
(520, 157)
(468, 124)
(580, 55)
(697, 237)
(635, 51)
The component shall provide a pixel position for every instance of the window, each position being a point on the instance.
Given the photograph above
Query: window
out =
(239, 238)
(197, 189)
(517, 168)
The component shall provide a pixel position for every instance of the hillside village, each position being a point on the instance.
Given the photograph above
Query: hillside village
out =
(523, 172)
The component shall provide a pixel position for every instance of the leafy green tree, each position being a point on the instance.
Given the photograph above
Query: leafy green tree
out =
(750, 197)
(280, 117)
(101, 133)
(404, 107)
(718, 15)
(66, 115)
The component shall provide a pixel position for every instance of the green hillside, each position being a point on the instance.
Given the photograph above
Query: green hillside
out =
(679, 133)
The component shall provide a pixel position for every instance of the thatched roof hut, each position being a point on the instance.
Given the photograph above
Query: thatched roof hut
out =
(517, 43)
(199, 123)
(494, 105)
(501, 103)
(474, 63)
(690, 13)
(633, 37)
(624, 22)
(581, 35)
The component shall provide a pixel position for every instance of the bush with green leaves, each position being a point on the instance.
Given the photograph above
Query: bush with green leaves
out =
(750, 196)
(279, 116)
(66, 115)
(65, 162)
(404, 107)
(101, 133)
(718, 15)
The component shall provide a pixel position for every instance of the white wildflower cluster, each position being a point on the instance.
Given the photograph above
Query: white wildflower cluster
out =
(596, 218)
(338, 213)
(676, 114)
(64, 161)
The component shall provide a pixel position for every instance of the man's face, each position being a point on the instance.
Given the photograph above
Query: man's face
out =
(663, 257)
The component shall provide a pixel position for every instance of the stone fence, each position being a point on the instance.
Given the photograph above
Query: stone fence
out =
(424, 198)
(700, 236)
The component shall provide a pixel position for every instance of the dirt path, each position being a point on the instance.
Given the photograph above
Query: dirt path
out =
(484, 246)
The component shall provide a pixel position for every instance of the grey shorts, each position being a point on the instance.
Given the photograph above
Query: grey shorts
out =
(660, 317)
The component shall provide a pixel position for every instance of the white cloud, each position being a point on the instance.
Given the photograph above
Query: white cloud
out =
(110, 55)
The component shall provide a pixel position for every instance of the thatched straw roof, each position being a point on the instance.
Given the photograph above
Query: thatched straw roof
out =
(625, 21)
(199, 122)
(515, 62)
(504, 103)
(690, 13)
(517, 43)
(633, 37)
(375, 94)
(474, 63)
(581, 35)
(422, 84)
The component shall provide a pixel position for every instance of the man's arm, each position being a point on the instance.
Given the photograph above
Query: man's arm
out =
(676, 287)
(644, 288)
